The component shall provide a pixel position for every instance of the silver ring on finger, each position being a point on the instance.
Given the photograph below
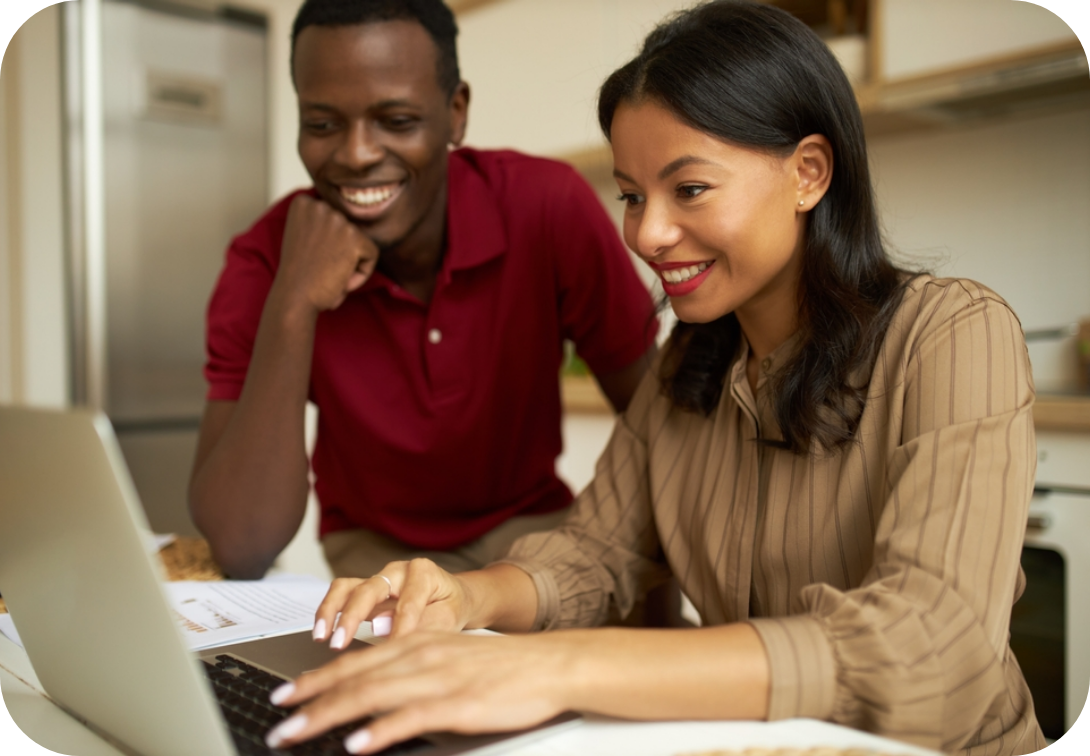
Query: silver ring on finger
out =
(389, 586)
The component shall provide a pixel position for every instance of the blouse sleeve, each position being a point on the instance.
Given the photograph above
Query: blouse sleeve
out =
(608, 550)
(919, 650)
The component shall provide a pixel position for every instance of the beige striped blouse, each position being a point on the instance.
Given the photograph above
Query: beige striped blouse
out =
(880, 578)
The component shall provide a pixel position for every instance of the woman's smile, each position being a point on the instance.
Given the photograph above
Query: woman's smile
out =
(679, 279)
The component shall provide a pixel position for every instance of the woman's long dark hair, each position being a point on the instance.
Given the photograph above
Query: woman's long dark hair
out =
(753, 75)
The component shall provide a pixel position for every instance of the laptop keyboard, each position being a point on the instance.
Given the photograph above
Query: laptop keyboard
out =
(243, 693)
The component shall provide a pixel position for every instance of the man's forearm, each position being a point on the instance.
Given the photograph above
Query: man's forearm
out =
(248, 492)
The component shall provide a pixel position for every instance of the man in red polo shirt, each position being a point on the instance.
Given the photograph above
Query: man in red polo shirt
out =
(419, 296)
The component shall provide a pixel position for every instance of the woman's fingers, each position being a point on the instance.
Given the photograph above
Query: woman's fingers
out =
(349, 689)
(349, 666)
(335, 598)
(350, 601)
(426, 683)
(407, 722)
(426, 588)
(405, 596)
(369, 598)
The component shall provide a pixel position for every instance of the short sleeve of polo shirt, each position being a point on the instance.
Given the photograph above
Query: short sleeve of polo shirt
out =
(601, 296)
(238, 300)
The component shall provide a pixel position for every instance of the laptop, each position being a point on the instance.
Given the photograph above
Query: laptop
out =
(85, 594)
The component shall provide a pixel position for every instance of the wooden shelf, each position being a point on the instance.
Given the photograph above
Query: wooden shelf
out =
(1062, 413)
(1041, 80)
(581, 395)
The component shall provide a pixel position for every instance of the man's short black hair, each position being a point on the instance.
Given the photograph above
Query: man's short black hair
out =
(433, 15)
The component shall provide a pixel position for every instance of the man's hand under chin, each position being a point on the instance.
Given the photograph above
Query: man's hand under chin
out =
(324, 256)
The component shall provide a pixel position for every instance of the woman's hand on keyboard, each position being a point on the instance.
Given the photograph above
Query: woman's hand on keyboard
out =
(431, 682)
(403, 598)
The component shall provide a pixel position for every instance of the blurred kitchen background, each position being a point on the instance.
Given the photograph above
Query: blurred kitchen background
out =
(137, 136)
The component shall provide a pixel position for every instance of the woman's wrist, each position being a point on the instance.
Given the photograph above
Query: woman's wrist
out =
(501, 597)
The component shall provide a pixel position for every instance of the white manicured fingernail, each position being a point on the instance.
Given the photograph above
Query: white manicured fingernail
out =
(289, 728)
(319, 630)
(381, 626)
(338, 639)
(357, 741)
(282, 694)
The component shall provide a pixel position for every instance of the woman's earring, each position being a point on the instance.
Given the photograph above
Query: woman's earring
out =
(802, 202)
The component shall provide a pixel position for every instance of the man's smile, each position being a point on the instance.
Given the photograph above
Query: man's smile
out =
(369, 202)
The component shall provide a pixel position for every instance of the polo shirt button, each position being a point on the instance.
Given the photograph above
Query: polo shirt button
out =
(435, 335)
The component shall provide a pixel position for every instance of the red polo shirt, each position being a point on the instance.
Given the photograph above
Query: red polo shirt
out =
(439, 421)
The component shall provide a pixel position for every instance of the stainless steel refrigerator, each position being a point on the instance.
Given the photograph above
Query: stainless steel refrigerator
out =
(183, 119)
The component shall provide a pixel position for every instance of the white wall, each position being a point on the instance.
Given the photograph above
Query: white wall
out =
(10, 346)
(535, 66)
(1006, 203)
(34, 348)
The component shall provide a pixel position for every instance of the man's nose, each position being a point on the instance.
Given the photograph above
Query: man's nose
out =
(359, 149)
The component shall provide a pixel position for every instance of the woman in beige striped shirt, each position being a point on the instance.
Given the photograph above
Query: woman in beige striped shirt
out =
(834, 457)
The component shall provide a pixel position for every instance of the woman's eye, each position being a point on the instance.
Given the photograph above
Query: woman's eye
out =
(318, 127)
(630, 199)
(689, 191)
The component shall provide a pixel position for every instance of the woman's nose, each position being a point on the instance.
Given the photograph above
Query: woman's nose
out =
(359, 150)
(655, 231)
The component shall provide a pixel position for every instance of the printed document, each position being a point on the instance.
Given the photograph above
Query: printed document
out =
(219, 612)
(228, 611)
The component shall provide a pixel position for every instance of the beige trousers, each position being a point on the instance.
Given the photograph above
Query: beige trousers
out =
(362, 553)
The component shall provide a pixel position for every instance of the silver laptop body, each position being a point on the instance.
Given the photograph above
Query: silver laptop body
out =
(84, 592)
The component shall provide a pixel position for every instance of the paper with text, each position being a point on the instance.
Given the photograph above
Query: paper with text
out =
(219, 612)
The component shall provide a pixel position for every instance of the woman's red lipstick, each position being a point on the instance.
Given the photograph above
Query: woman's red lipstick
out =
(689, 273)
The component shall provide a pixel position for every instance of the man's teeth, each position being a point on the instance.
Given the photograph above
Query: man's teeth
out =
(368, 197)
(680, 275)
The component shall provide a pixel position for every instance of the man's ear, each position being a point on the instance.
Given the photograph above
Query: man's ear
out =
(813, 164)
(459, 113)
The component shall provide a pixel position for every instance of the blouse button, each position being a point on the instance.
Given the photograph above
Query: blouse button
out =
(435, 336)
(766, 363)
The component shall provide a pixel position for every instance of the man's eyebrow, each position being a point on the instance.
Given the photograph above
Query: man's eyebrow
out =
(673, 167)
(382, 105)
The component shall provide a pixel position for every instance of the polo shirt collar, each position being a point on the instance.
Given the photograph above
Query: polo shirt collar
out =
(476, 232)
(475, 226)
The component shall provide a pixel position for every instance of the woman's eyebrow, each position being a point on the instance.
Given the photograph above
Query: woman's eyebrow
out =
(683, 161)
(673, 167)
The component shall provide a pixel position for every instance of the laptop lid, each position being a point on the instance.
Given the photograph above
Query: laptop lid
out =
(78, 579)
(81, 584)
